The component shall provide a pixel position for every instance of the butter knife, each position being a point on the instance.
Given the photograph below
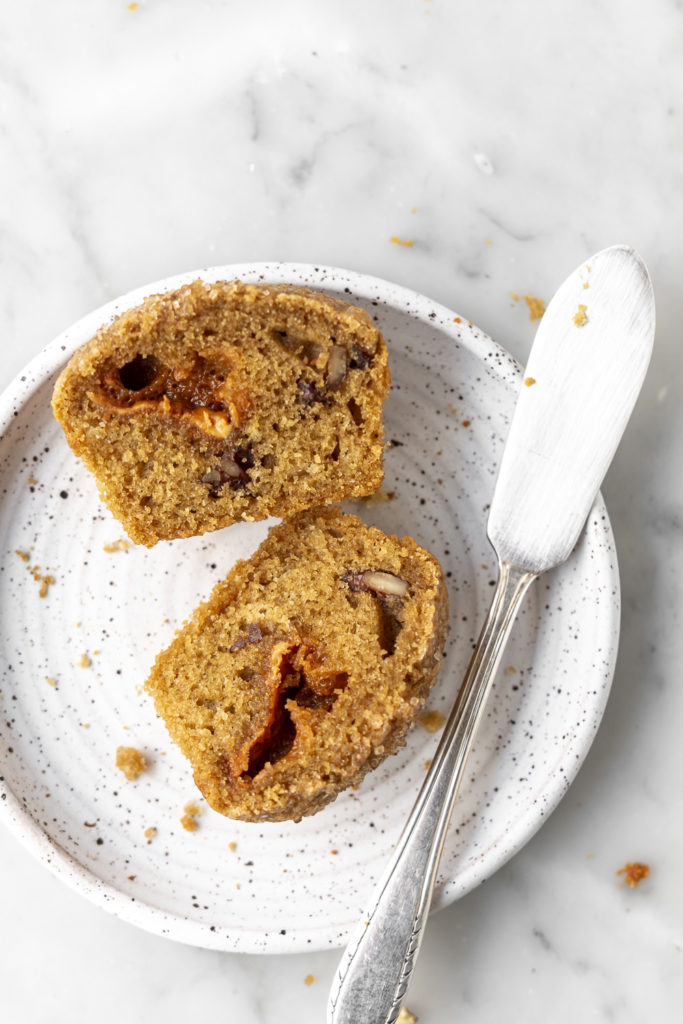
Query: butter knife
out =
(586, 368)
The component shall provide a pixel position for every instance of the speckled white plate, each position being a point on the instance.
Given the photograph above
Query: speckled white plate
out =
(277, 888)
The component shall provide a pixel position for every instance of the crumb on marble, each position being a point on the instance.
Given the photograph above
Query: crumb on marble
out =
(428, 764)
(50, 680)
(23, 555)
(150, 833)
(432, 721)
(131, 762)
(309, 979)
(406, 1017)
(580, 317)
(84, 661)
(407, 243)
(511, 670)
(334, 852)
(529, 381)
(586, 284)
(117, 545)
(466, 423)
(232, 846)
(192, 810)
(536, 307)
(634, 872)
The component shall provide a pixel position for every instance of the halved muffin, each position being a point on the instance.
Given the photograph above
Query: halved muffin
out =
(224, 402)
(306, 666)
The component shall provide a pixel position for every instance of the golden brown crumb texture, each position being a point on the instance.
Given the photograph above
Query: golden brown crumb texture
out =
(223, 402)
(306, 666)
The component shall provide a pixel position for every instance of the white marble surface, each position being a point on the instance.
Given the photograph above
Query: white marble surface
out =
(508, 141)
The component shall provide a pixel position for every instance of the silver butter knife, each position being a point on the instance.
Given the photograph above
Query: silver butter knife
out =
(586, 368)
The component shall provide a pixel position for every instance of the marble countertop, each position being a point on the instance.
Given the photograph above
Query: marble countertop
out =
(141, 140)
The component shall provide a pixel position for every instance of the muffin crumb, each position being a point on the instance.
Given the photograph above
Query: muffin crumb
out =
(117, 545)
(192, 810)
(131, 762)
(634, 873)
(432, 721)
(406, 1017)
(536, 307)
(580, 317)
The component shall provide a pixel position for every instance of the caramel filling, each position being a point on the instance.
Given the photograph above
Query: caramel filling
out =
(297, 675)
(199, 394)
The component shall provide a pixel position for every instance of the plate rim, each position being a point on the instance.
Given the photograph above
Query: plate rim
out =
(365, 287)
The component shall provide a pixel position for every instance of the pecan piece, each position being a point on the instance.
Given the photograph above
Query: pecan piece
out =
(233, 469)
(252, 636)
(309, 392)
(336, 368)
(376, 580)
(360, 359)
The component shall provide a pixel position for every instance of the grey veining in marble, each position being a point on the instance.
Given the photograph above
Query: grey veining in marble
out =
(507, 142)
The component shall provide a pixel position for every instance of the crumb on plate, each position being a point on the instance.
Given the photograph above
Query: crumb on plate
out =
(131, 762)
(406, 1017)
(580, 317)
(188, 819)
(432, 721)
(117, 545)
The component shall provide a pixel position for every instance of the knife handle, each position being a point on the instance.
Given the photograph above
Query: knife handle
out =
(378, 962)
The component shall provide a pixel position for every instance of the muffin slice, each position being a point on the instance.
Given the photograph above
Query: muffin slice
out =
(224, 402)
(306, 666)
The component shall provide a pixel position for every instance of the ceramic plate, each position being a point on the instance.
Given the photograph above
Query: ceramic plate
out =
(75, 652)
